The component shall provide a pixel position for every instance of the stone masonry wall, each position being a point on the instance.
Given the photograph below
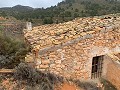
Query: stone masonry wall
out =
(75, 59)
(113, 72)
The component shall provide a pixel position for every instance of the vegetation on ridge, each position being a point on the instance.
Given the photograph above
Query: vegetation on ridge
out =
(12, 50)
(64, 11)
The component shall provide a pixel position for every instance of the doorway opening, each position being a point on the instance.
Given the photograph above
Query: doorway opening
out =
(97, 65)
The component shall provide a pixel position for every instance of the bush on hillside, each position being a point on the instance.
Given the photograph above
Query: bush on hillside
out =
(35, 78)
(85, 85)
(12, 51)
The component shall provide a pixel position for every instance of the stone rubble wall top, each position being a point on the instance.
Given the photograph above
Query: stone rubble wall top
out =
(53, 35)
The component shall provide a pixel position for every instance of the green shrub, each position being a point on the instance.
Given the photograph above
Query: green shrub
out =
(12, 51)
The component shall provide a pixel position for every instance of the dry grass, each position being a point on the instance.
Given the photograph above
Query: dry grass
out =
(27, 78)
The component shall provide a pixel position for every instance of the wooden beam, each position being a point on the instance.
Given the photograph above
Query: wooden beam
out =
(3, 71)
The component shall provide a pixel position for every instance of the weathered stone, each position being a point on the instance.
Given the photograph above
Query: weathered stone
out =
(44, 62)
(56, 42)
(58, 61)
(60, 38)
(58, 66)
(43, 66)
(52, 65)
(72, 50)
(83, 34)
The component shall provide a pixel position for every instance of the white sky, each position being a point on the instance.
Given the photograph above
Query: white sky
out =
(32, 3)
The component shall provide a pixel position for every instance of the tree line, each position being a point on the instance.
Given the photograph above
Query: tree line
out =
(64, 11)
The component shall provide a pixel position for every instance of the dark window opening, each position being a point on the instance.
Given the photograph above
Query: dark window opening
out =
(97, 65)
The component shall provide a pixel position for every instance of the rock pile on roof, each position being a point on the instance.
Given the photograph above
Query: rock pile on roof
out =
(53, 34)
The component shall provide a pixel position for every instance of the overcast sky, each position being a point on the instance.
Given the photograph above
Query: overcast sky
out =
(32, 3)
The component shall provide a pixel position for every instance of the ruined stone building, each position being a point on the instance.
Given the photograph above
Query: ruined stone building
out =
(84, 49)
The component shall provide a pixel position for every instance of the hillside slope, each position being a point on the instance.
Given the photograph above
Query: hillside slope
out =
(64, 11)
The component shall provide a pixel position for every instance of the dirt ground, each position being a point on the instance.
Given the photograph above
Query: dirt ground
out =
(67, 86)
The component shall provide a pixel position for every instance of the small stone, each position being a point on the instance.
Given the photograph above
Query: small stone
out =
(44, 37)
(45, 62)
(56, 42)
(83, 34)
(58, 62)
(43, 66)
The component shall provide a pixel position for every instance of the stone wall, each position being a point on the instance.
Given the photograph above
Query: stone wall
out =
(67, 49)
(13, 28)
(113, 72)
(74, 60)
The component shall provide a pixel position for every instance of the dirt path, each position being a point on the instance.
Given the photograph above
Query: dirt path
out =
(67, 86)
